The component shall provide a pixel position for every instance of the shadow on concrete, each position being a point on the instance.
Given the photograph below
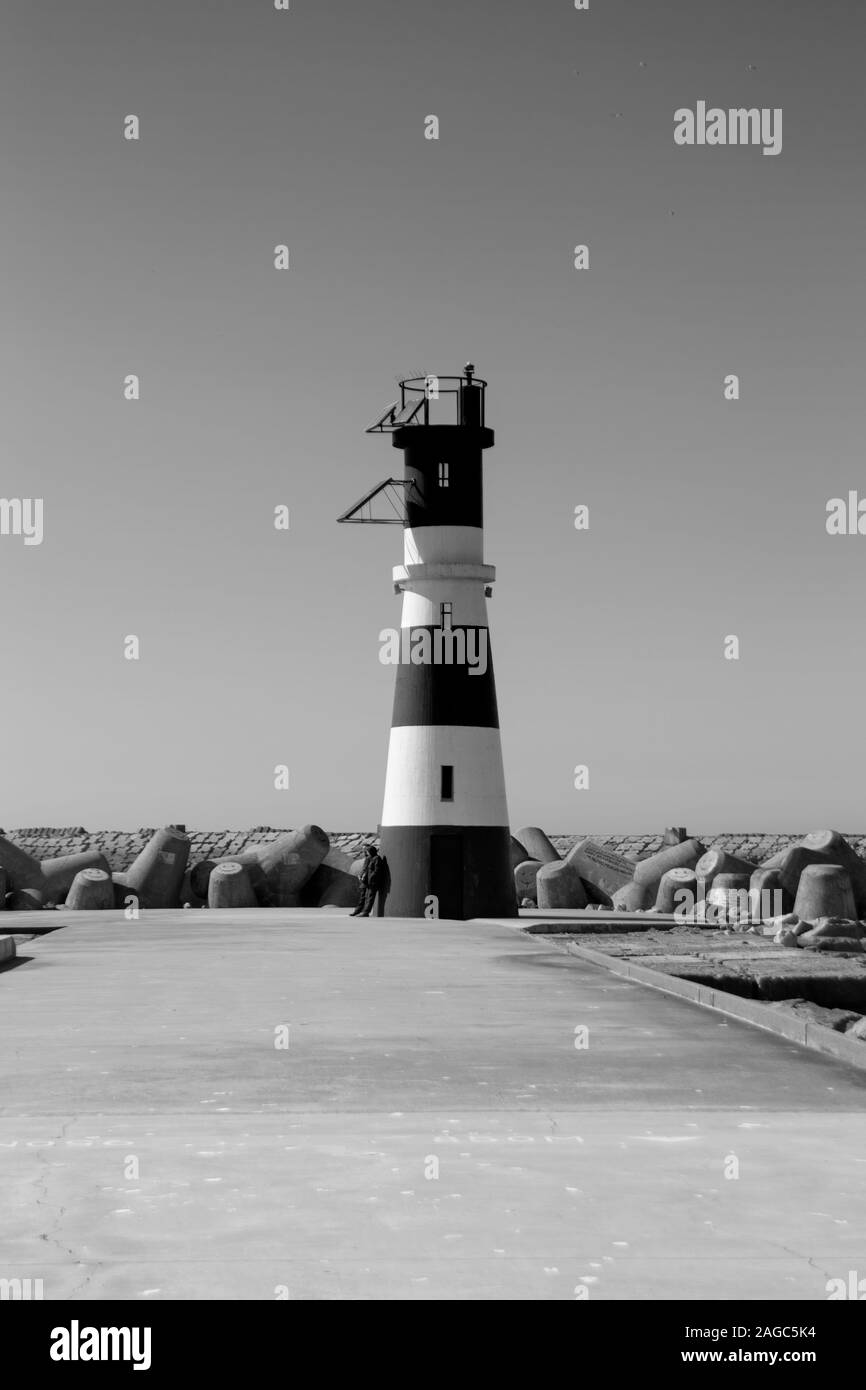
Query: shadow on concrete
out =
(554, 961)
(13, 962)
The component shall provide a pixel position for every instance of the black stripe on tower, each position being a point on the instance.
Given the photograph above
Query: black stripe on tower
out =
(447, 694)
(466, 867)
(428, 503)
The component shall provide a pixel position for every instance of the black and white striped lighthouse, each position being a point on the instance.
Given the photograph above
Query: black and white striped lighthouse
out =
(444, 830)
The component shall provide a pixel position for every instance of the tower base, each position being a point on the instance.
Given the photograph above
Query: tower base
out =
(466, 868)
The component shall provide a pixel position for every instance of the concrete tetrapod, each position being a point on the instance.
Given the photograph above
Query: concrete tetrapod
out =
(256, 874)
(768, 897)
(682, 856)
(793, 862)
(329, 886)
(602, 870)
(558, 884)
(525, 875)
(728, 898)
(122, 891)
(678, 893)
(22, 870)
(342, 890)
(91, 890)
(634, 897)
(833, 934)
(156, 876)
(58, 874)
(289, 861)
(838, 851)
(24, 900)
(537, 845)
(720, 861)
(195, 883)
(774, 860)
(674, 835)
(824, 891)
(229, 886)
(519, 853)
(337, 858)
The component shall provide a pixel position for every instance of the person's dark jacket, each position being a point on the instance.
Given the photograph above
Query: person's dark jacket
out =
(373, 874)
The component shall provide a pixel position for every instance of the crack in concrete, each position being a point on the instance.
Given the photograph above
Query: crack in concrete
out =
(49, 1235)
(92, 1270)
(810, 1261)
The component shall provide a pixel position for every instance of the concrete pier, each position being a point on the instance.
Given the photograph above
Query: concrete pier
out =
(393, 1109)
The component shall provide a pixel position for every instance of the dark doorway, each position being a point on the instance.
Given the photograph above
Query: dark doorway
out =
(446, 874)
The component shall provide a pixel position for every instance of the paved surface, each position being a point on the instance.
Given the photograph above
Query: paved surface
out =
(744, 964)
(431, 1131)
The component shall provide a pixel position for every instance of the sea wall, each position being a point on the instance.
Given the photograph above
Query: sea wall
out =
(121, 847)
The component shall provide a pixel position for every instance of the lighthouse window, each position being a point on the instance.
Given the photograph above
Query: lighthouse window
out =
(443, 475)
(447, 793)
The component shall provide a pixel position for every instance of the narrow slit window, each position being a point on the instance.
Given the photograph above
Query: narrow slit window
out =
(443, 475)
(447, 793)
(445, 612)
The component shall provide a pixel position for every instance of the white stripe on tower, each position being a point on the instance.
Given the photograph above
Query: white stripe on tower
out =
(443, 545)
(413, 784)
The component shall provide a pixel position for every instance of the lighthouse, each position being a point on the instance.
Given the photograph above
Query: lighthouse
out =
(444, 829)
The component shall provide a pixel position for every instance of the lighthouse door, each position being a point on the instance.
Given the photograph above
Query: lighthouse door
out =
(446, 874)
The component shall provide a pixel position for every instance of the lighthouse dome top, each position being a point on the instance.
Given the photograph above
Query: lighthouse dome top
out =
(435, 400)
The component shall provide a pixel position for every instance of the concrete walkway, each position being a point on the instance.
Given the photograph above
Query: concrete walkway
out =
(430, 1132)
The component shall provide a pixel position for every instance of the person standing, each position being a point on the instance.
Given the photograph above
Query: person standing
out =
(371, 884)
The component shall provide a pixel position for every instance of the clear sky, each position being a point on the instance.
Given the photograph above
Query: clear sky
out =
(260, 647)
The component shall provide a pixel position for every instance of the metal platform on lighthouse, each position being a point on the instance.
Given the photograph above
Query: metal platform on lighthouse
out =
(426, 401)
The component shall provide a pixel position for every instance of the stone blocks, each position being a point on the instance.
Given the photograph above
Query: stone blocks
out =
(720, 861)
(824, 890)
(559, 885)
(727, 899)
(156, 876)
(837, 850)
(22, 870)
(672, 890)
(91, 890)
(288, 862)
(602, 870)
(525, 875)
(229, 886)
(519, 853)
(768, 896)
(330, 886)
(59, 874)
(537, 845)
(684, 855)
(634, 897)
